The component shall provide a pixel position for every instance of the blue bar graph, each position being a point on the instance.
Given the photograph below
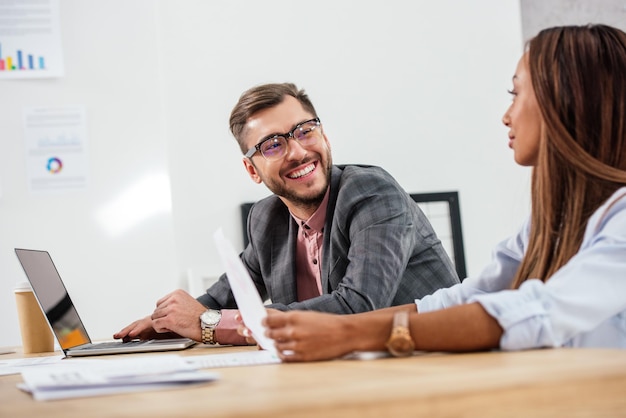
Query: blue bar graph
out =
(22, 61)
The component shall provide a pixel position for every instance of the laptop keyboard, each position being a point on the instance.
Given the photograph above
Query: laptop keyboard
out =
(114, 344)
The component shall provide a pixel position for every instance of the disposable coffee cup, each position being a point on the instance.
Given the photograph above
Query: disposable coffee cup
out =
(36, 334)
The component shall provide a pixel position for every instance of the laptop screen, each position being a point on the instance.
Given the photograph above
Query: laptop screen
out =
(53, 298)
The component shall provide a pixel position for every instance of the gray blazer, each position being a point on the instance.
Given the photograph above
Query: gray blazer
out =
(379, 249)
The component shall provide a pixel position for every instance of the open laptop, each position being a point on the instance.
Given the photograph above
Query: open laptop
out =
(63, 317)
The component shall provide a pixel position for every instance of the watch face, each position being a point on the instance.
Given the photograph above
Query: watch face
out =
(401, 345)
(211, 317)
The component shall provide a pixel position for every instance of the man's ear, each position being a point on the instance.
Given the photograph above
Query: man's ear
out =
(326, 139)
(251, 169)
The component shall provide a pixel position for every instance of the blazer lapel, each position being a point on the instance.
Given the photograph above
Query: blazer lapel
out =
(283, 276)
(335, 176)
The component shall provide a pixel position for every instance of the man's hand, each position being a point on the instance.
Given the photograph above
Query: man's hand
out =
(176, 315)
(178, 312)
(244, 331)
(141, 329)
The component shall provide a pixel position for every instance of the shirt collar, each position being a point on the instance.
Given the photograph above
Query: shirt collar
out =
(318, 219)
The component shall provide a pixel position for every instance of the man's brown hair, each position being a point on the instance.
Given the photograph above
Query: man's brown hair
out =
(263, 97)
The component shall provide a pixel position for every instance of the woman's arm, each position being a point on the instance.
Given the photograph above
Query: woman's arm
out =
(308, 336)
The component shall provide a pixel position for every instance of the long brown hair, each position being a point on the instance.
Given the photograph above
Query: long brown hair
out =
(578, 74)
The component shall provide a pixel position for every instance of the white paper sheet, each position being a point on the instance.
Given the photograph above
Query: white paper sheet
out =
(30, 39)
(243, 358)
(248, 300)
(56, 148)
(101, 377)
(18, 365)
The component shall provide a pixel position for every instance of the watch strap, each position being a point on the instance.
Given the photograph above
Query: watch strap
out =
(400, 343)
(208, 335)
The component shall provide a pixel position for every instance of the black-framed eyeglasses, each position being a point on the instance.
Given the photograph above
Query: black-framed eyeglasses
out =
(275, 146)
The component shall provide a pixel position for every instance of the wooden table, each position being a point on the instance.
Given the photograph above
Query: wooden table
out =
(551, 382)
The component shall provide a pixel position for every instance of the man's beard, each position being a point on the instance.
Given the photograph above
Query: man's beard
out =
(303, 201)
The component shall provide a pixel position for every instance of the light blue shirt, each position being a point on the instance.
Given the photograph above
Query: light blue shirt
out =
(582, 305)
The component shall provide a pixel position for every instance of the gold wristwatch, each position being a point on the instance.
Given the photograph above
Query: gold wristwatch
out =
(400, 343)
(208, 322)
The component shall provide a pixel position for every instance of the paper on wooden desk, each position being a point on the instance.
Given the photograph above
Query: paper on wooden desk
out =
(248, 299)
(17, 365)
(103, 377)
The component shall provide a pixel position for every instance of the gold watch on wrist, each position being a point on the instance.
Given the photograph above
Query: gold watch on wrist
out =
(400, 343)
(208, 322)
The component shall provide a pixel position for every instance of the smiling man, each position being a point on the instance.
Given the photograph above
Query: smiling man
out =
(340, 239)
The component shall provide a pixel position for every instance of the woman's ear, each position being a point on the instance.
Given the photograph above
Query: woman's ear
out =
(251, 169)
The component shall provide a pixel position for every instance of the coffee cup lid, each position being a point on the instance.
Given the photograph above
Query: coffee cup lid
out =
(23, 287)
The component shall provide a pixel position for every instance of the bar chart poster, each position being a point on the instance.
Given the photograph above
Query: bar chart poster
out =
(30, 39)
(56, 149)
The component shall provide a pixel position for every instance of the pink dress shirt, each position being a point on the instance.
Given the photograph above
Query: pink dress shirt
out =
(308, 271)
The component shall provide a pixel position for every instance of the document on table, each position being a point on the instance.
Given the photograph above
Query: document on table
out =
(102, 377)
(248, 300)
(243, 358)
(17, 365)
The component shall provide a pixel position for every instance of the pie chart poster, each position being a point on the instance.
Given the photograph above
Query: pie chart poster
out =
(56, 149)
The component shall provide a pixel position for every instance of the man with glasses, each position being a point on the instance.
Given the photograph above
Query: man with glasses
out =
(339, 239)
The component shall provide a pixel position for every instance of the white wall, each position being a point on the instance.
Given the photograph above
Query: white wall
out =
(416, 87)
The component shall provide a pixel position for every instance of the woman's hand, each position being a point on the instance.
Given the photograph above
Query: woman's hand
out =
(309, 336)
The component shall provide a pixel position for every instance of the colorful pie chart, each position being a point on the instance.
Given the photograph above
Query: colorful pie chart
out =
(54, 165)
